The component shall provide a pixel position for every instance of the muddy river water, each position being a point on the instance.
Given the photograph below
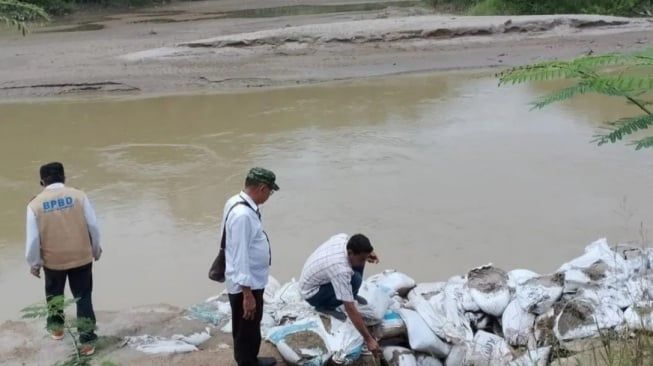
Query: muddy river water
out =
(443, 172)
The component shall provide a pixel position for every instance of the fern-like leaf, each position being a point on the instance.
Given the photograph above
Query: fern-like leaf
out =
(561, 95)
(644, 143)
(624, 127)
(540, 72)
(16, 13)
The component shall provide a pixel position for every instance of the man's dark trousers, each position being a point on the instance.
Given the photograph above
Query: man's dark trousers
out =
(325, 298)
(81, 286)
(246, 333)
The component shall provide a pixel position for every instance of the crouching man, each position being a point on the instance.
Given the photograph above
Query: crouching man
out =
(332, 276)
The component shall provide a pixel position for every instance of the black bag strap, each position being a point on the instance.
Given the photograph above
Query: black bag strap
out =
(223, 240)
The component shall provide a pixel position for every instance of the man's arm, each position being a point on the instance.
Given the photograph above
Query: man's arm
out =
(341, 283)
(357, 319)
(32, 243)
(93, 230)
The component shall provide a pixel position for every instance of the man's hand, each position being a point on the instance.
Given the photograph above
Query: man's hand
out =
(249, 305)
(373, 258)
(373, 346)
(35, 271)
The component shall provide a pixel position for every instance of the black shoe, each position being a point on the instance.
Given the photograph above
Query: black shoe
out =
(334, 313)
(361, 300)
(267, 361)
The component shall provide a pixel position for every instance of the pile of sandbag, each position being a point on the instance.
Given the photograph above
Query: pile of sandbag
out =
(486, 317)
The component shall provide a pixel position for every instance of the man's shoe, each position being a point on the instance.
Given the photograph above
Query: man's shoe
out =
(361, 300)
(57, 335)
(267, 361)
(87, 349)
(334, 313)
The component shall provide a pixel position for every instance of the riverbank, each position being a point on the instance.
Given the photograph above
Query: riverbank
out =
(165, 50)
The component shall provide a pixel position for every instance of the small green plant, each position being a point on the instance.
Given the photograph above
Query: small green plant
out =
(71, 327)
(625, 76)
(16, 14)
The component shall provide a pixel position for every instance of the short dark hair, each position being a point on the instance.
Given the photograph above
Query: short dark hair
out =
(359, 244)
(52, 173)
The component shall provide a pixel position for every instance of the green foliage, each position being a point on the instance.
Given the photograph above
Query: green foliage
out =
(625, 76)
(516, 7)
(55, 306)
(16, 13)
(54, 7)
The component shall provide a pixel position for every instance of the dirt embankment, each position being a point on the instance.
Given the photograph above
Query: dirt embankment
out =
(217, 46)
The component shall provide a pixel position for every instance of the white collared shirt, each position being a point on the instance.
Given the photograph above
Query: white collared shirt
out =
(247, 250)
(33, 239)
(329, 263)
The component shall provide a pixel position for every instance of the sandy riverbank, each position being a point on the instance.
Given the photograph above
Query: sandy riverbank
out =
(190, 47)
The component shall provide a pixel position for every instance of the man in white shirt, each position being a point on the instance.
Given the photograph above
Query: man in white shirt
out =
(247, 264)
(64, 239)
(332, 276)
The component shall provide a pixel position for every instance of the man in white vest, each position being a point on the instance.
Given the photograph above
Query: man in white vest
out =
(63, 239)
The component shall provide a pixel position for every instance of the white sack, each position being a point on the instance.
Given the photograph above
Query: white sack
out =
(457, 356)
(270, 290)
(288, 293)
(574, 280)
(536, 357)
(345, 342)
(488, 349)
(398, 282)
(436, 319)
(582, 318)
(301, 354)
(598, 252)
(427, 360)
(537, 295)
(517, 277)
(399, 356)
(640, 317)
(378, 301)
(488, 287)
(518, 325)
(391, 326)
(429, 289)
(420, 337)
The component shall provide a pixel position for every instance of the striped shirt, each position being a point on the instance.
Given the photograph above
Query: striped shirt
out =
(329, 263)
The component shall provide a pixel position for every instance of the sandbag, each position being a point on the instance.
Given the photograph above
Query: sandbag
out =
(391, 326)
(574, 280)
(215, 310)
(517, 325)
(456, 294)
(640, 316)
(636, 260)
(517, 277)
(458, 288)
(488, 287)
(582, 318)
(398, 282)
(457, 355)
(378, 301)
(304, 342)
(427, 360)
(538, 294)
(598, 252)
(420, 337)
(399, 356)
(429, 289)
(488, 349)
(270, 290)
(345, 342)
(436, 319)
(288, 293)
(536, 357)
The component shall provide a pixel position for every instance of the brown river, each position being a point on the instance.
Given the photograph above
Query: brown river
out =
(443, 172)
